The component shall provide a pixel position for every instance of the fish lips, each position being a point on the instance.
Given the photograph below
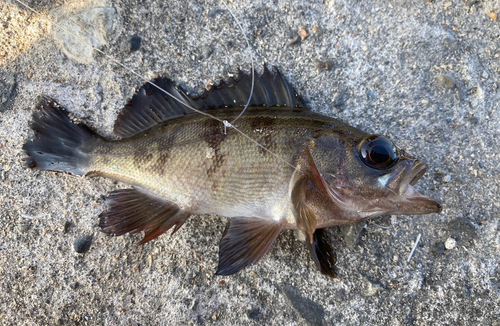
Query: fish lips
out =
(406, 198)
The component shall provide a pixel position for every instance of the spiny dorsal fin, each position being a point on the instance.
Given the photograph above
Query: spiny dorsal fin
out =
(151, 106)
(270, 89)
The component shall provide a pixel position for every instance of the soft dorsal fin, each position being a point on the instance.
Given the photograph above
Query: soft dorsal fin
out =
(150, 105)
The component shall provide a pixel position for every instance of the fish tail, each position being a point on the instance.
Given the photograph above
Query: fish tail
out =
(60, 144)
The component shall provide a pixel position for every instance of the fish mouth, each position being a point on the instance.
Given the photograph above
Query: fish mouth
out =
(415, 202)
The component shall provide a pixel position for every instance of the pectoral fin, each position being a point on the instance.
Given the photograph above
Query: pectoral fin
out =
(133, 210)
(244, 242)
(322, 254)
(306, 218)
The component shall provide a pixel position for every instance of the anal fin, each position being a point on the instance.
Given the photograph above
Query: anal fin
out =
(133, 211)
(322, 254)
(245, 241)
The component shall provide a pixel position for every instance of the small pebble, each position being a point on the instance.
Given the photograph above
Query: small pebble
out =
(303, 33)
(446, 81)
(7, 91)
(481, 165)
(255, 314)
(206, 51)
(82, 244)
(447, 178)
(24, 227)
(135, 43)
(493, 15)
(371, 95)
(438, 248)
(295, 41)
(327, 65)
(450, 243)
(67, 225)
(77, 40)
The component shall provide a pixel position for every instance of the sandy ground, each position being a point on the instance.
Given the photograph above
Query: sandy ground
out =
(426, 73)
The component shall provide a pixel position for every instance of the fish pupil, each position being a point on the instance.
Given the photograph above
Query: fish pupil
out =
(380, 154)
(377, 151)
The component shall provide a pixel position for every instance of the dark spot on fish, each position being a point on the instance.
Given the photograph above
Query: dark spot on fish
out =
(269, 143)
(262, 122)
(164, 147)
(148, 157)
(264, 128)
(213, 135)
(160, 164)
(139, 154)
(217, 162)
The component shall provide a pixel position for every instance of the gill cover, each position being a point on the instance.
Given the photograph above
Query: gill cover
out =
(367, 177)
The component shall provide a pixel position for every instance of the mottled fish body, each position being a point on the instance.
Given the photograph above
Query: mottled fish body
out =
(310, 172)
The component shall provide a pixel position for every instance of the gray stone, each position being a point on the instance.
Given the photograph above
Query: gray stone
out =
(82, 244)
(446, 81)
(7, 91)
(78, 30)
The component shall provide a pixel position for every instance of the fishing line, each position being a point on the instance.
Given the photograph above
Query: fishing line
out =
(251, 58)
(181, 101)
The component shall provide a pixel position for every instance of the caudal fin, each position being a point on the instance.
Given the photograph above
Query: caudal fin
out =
(60, 144)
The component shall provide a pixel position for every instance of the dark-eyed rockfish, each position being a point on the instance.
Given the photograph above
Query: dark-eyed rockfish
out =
(309, 172)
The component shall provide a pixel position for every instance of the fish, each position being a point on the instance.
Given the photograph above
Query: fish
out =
(282, 167)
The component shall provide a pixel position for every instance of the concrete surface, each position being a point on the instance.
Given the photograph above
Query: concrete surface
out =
(424, 72)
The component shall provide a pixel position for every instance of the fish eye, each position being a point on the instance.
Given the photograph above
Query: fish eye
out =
(378, 151)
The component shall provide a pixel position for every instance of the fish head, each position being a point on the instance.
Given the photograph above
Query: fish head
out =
(368, 176)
